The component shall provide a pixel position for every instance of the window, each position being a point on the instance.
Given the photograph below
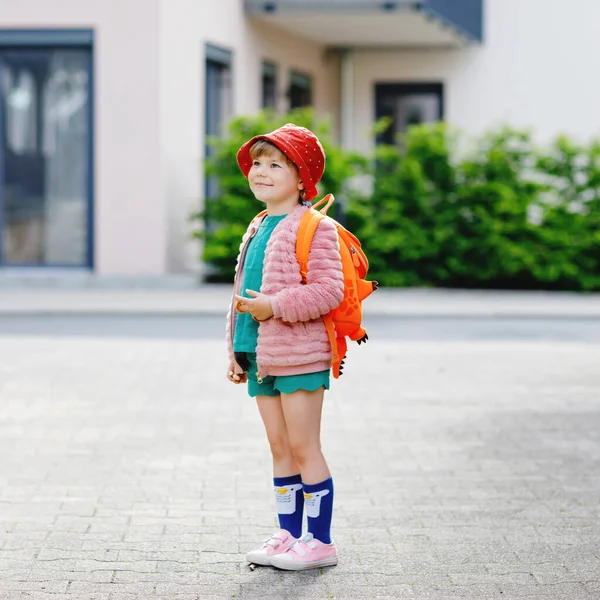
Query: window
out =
(46, 148)
(406, 105)
(300, 92)
(218, 102)
(269, 85)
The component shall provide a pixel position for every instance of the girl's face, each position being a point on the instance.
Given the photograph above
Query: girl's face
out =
(273, 180)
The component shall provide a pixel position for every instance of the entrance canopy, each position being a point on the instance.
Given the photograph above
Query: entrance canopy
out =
(374, 23)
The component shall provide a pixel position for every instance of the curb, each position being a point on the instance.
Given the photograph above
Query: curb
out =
(213, 301)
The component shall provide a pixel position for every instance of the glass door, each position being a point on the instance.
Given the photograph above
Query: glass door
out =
(45, 156)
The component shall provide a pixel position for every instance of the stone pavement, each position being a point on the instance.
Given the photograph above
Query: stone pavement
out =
(131, 469)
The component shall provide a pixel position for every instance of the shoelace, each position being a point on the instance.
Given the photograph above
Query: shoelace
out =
(305, 540)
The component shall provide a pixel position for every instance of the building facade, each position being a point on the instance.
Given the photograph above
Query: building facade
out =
(105, 106)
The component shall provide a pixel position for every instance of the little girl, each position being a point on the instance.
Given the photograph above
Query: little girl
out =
(278, 343)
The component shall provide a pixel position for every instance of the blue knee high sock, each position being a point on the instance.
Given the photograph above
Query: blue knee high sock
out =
(318, 498)
(290, 503)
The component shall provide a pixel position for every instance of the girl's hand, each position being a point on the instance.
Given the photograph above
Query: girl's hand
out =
(259, 306)
(236, 377)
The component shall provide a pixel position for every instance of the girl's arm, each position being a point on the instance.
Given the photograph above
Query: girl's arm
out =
(324, 289)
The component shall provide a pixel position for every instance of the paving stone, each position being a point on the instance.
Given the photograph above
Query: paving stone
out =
(31, 586)
(133, 472)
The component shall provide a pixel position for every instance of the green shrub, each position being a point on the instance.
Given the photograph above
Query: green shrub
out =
(568, 248)
(506, 215)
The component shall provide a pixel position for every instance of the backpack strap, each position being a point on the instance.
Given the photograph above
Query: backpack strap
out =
(306, 231)
(335, 355)
(327, 200)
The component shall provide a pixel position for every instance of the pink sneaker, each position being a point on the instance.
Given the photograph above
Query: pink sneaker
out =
(279, 542)
(306, 553)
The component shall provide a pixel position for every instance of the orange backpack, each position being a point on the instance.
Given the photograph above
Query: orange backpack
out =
(345, 320)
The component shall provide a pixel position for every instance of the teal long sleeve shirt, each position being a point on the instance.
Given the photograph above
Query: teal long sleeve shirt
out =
(246, 328)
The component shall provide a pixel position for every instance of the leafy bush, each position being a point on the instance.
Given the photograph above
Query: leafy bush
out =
(506, 215)
(226, 216)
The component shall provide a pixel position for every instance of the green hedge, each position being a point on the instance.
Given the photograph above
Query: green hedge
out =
(503, 214)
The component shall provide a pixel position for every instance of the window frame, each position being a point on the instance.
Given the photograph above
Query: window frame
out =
(56, 39)
(223, 58)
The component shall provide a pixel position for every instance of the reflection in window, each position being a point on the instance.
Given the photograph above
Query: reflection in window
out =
(21, 110)
(65, 102)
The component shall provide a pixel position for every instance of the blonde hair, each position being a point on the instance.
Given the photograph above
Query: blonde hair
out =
(266, 148)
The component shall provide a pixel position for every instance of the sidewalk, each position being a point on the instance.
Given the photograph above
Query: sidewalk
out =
(214, 300)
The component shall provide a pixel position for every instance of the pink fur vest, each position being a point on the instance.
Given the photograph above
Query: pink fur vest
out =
(295, 340)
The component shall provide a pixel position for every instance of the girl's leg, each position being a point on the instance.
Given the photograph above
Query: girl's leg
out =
(287, 480)
(284, 463)
(302, 411)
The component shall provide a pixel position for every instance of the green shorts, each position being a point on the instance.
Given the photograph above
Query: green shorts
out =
(283, 384)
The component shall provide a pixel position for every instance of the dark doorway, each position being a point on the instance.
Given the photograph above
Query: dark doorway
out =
(407, 104)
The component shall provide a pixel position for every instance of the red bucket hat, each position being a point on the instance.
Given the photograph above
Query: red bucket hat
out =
(300, 145)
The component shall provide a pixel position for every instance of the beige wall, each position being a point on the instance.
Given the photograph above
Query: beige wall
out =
(186, 26)
(288, 53)
(536, 69)
(130, 229)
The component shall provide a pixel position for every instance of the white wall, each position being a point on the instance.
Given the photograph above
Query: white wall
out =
(537, 68)
(130, 233)
(186, 26)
